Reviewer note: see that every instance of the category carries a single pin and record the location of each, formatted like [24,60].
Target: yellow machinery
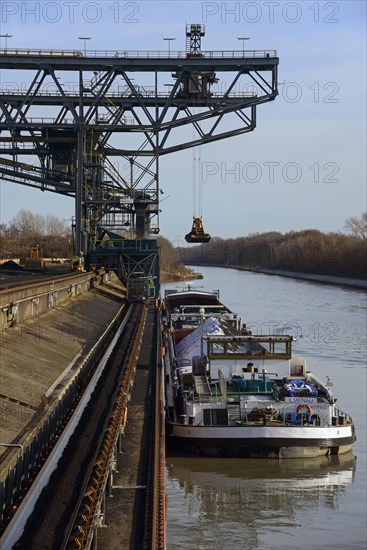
[36,251]
[76,264]
[197,234]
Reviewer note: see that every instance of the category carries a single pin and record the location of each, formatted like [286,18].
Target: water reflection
[250,503]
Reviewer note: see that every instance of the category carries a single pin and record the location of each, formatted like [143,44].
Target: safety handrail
[141,54]
[117,93]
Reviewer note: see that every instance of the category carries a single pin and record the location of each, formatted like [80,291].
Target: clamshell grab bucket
[197,234]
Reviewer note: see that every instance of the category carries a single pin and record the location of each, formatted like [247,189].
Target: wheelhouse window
[250,347]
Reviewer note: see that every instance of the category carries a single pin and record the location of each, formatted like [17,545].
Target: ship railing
[287,414]
[340,417]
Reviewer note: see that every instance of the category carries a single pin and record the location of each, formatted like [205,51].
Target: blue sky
[303,166]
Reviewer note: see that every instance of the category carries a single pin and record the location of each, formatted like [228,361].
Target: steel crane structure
[92,125]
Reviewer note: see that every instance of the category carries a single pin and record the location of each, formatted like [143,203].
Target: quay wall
[23,303]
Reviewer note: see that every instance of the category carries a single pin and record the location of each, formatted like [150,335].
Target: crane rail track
[70,508]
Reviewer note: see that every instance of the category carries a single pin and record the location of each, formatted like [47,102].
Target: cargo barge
[230,393]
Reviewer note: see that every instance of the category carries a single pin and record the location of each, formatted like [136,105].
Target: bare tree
[55,226]
[26,228]
[28,223]
[357,226]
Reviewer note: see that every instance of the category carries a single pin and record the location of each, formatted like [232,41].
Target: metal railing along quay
[22,299]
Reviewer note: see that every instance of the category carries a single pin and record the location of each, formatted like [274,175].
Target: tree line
[341,254]
[170,265]
[309,251]
[25,229]
[54,235]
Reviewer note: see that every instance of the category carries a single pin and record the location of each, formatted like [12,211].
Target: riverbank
[324,279]
[328,279]
[167,277]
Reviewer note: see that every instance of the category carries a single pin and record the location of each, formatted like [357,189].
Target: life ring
[306,406]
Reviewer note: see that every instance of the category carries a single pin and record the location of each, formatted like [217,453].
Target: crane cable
[196,179]
[199,183]
[194,182]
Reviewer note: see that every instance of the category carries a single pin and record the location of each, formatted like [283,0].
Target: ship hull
[260,442]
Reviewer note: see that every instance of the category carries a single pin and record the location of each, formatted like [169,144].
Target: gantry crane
[77,113]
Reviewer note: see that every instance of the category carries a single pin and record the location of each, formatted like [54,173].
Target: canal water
[215,504]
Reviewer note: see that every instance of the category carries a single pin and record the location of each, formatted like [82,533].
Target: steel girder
[72,113]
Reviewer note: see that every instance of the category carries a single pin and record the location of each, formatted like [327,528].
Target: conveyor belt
[47,526]
[70,509]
